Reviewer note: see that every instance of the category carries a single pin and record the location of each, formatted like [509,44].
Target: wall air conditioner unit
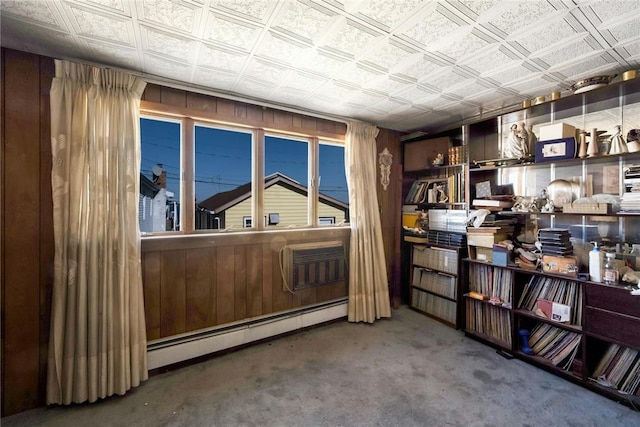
[307,265]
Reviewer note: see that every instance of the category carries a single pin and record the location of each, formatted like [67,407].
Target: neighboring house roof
[223,201]
[147,187]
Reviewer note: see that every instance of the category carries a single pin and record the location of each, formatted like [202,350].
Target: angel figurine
[516,145]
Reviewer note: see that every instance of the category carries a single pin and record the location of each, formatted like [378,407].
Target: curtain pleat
[368,282]
[97,344]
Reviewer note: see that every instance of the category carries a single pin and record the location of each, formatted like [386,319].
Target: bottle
[611,270]
[595,264]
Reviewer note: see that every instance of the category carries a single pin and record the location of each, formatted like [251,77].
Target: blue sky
[223,159]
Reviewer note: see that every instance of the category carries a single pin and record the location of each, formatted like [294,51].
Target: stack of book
[558,346]
[555,241]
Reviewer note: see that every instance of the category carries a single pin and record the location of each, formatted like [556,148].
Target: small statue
[439,160]
[617,143]
[441,195]
[516,145]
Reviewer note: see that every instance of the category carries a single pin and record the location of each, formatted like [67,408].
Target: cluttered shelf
[532,315]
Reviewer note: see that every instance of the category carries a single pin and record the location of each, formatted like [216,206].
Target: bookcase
[599,346]
[431,256]
[435,285]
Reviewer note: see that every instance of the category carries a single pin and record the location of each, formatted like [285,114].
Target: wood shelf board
[435,293]
[531,315]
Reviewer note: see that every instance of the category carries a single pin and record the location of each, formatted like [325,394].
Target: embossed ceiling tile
[221,59]
[612,10]
[338,91]
[231,32]
[278,47]
[478,7]
[387,54]
[163,44]
[256,88]
[302,20]
[325,64]
[444,78]
[357,75]
[215,79]
[160,66]
[35,38]
[33,11]
[541,38]
[391,105]
[117,54]
[265,71]
[511,16]
[513,73]
[467,88]
[422,66]
[632,47]
[350,38]
[626,30]
[115,5]
[487,60]
[434,26]
[257,10]
[585,68]
[461,47]
[289,96]
[365,97]
[304,82]
[566,52]
[535,86]
[108,28]
[393,85]
[387,12]
[168,13]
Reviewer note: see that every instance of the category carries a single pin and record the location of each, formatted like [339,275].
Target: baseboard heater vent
[307,265]
[168,351]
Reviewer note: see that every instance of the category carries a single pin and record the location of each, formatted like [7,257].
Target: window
[222,175]
[200,175]
[286,169]
[160,172]
[333,198]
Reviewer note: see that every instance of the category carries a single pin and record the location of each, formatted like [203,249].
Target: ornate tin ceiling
[400,64]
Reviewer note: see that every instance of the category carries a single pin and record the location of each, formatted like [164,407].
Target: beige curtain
[98,344]
[368,283]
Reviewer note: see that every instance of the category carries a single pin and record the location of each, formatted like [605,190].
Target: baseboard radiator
[308,265]
[179,348]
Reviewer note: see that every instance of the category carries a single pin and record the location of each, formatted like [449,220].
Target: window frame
[189,119]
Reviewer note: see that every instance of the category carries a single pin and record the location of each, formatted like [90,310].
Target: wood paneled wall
[190,282]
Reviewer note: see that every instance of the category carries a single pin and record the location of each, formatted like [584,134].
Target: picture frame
[555,149]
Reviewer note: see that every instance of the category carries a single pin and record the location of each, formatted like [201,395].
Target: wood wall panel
[240,282]
[152,93]
[200,280]
[254,280]
[21,232]
[151,278]
[175,97]
[173,293]
[267,278]
[225,285]
[201,102]
[47,247]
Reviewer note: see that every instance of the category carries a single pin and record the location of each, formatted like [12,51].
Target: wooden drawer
[618,327]
[613,298]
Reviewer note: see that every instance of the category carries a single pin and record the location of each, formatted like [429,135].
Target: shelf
[545,363]
[434,293]
[488,338]
[435,270]
[527,271]
[487,302]
[439,319]
[614,394]
[531,315]
[434,169]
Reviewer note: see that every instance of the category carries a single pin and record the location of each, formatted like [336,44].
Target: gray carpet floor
[405,371]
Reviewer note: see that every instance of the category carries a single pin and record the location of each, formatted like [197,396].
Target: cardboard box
[560,265]
[554,311]
[556,131]
[483,239]
[480,253]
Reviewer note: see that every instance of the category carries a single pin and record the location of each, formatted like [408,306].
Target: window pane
[222,178]
[159,199]
[286,180]
[334,196]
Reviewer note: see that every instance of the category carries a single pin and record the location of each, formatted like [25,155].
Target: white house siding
[291,206]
